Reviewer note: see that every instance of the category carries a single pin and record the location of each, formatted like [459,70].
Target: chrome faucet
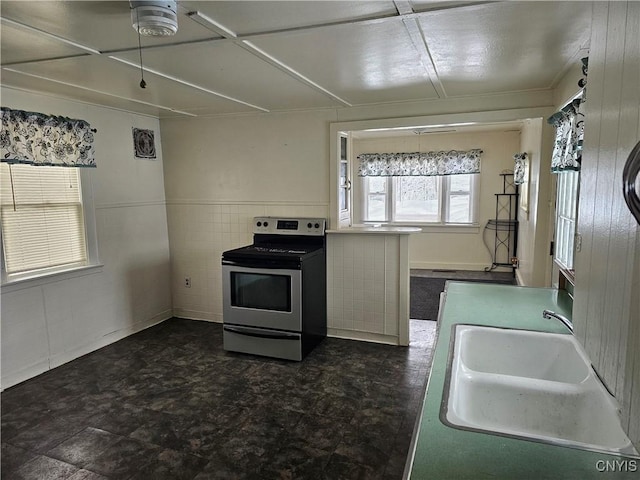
[557,316]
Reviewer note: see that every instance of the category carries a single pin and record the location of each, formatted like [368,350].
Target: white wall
[567,89]
[533,240]
[465,248]
[219,174]
[279,158]
[222,171]
[606,311]
[568,86]
[536,223]
[46,325]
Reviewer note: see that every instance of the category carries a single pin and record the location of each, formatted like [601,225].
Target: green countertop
[442,452]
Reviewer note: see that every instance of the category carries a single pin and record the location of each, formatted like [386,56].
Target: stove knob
[266,224]
[259,224]
[309,225]
[317,225]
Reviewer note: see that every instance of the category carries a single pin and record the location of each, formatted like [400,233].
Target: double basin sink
[530,385]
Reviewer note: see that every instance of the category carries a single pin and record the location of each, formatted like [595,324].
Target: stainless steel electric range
[274,291]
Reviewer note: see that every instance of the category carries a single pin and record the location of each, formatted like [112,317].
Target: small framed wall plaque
[144,144]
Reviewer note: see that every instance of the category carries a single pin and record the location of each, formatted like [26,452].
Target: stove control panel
[289,226]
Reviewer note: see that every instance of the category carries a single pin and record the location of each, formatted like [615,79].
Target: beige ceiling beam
[403,7]
[80,87]
[371,20]
[411,24]
[93,51]
[417,38]
[187,84]
[404,12]
[226,35]
[210,24]
[220,29]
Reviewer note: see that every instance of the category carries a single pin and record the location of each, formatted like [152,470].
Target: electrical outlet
[187,282]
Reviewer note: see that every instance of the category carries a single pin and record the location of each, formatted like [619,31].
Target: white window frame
[55,273]
[567,193]
[344,188]
[474,199]
[445,202]
[364,202]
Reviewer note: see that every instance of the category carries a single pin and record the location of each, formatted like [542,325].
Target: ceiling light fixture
[154,18]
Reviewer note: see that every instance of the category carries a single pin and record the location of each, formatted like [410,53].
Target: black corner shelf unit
[501,233]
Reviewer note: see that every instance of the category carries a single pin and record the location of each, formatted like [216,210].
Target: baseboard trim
[61,358]
[189,314]
[108,339]
[33,370]
[478,267]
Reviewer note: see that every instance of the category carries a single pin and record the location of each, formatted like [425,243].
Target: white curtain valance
[453,162]
[39,139]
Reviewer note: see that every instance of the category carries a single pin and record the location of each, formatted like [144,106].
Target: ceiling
[267,56]
[411,131]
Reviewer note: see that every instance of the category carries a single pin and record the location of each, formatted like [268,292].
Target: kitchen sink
[530,385]
[522,353]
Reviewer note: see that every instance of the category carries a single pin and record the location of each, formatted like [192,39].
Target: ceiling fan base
[154,18]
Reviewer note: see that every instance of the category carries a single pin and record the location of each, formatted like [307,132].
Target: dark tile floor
[463,275]
[169,403]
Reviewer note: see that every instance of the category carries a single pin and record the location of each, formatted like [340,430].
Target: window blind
[42,218]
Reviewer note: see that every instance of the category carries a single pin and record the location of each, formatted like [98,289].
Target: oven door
[262,297]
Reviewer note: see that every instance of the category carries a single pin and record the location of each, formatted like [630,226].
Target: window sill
[472,228]
[30,282]
[566,278]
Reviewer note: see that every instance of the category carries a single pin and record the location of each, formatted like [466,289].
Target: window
[376,198]
[43,220]
[344,187]
[344,175]
[416,199]
[450,199]
[566,213]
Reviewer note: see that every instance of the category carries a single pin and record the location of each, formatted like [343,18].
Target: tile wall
[198,235]
[362,270]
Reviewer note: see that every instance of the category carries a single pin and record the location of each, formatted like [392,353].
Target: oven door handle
[259,334]
[262,263]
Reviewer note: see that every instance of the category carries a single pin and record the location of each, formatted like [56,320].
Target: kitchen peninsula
[368,283]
